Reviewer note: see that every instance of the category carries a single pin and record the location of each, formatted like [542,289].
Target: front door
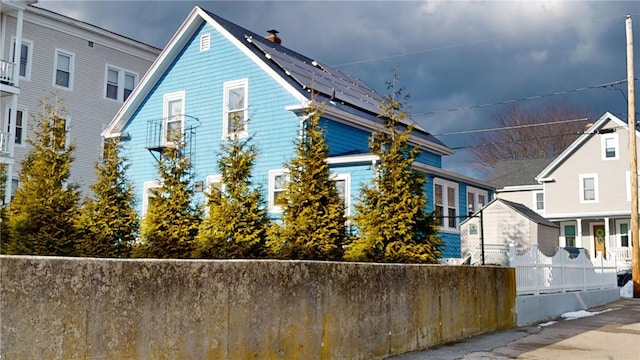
[599,240]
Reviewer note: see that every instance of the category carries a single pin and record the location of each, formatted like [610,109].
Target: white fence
[538,274]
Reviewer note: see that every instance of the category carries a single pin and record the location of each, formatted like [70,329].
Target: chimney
[273,36]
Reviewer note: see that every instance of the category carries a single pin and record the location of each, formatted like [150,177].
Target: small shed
[500,223]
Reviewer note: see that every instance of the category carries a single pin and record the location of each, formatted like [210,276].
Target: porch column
[579,233]
[18,48]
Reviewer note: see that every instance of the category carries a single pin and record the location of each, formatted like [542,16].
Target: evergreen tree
[43,212]
[169,227]
[237,221]
[108,224]
[391,219]
[313,216]
[4,238]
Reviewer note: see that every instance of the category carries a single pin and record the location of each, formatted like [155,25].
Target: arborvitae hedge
[109,224]
[313,223]
[44,210]
[391,217]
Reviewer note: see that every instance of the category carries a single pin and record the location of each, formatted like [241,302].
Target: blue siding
[343,139]
[202,76]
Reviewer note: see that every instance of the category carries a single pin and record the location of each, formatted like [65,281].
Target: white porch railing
[538,274]
[6,72]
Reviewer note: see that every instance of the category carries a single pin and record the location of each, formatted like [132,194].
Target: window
[569,235]
[446,199]
[623,234]
[147,194]
[214,181]
[588,188]
[119,83]
[343,185]
[20,126]
[235,108]
[24,62]
[277,185]
[538,200]
[628,181]
[173,111]
[476,199]
[63,76]
[609,146]
[205,42]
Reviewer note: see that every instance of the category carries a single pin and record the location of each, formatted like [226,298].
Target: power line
[512,127]
[609,84]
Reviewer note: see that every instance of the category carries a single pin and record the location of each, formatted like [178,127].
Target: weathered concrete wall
[63,308]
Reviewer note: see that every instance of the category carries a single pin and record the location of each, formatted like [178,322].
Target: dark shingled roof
[335,88]
[517,172]
[528,213]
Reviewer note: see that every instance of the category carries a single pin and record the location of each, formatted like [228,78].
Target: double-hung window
[235,108]
[609,143]
[278,180]
[343,185]
[63,69]
[148,193]
[25,58]
[569,234]
[588,188]
[476,199]
[20,126]
[119,83]
[173,117]
[538,200]
[624,240]
[446,203]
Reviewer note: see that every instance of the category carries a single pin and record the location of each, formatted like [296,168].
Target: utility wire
[511,127]
[609,84]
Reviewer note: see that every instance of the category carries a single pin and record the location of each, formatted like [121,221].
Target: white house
[93,70]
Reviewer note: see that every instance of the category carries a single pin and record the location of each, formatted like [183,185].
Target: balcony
[6,72]
[156,141]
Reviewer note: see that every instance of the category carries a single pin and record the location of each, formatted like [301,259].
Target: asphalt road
[612,334]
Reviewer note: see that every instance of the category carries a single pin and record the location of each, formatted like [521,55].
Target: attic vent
[90,43]
[205,42]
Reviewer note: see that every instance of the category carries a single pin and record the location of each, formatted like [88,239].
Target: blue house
[213,70]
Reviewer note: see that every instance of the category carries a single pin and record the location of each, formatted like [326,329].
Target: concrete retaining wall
[536,308]
[63,308]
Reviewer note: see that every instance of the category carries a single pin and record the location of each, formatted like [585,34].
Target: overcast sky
[448,54]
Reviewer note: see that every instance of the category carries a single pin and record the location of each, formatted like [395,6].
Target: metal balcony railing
[6,72]
[157,137]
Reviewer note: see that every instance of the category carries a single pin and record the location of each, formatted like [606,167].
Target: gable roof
[520,209]
[543,176]
[517,172]
[345,97]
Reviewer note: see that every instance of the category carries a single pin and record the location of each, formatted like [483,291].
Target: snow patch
[547,324]
[627,290]
[572,315]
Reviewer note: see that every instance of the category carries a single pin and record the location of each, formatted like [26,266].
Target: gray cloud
[447,54]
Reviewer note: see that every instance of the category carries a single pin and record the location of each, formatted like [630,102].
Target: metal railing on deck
[6,72]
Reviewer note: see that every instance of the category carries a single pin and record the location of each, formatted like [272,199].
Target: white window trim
[347,190]
[619,235]
[563,238]
[447,184]
[476,201]
[27,71]
[535,201]
[178,95]
[25,126]
[205,42]
[272,182]
[581,178]
[72,57]
[225,101]
[627,176]
[146,191]
[213,179]
[121,81]
[603,145]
